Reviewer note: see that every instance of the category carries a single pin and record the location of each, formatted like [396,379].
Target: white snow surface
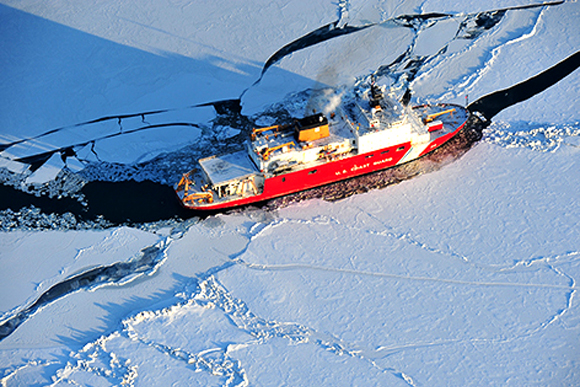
[464,276]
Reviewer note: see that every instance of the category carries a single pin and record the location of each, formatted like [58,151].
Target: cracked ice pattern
[111,358]
[465,276]
[276,298]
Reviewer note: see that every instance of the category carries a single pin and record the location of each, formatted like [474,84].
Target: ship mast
[376,95]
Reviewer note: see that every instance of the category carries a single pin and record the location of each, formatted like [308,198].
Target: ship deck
[452,120]
[228,167]
[338,132]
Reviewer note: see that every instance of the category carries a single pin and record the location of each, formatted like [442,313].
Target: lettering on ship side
[359,167]
[383,161]
[355,167]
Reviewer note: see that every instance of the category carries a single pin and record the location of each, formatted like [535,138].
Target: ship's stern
[193,190]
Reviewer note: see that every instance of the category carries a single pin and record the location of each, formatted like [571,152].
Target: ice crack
[212,293]
[569,297]
[145,263]
[216,362]
[94,358]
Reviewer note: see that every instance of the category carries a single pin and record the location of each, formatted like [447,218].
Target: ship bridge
[383,123]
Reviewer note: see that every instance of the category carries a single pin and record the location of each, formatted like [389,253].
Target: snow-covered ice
[461,276]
